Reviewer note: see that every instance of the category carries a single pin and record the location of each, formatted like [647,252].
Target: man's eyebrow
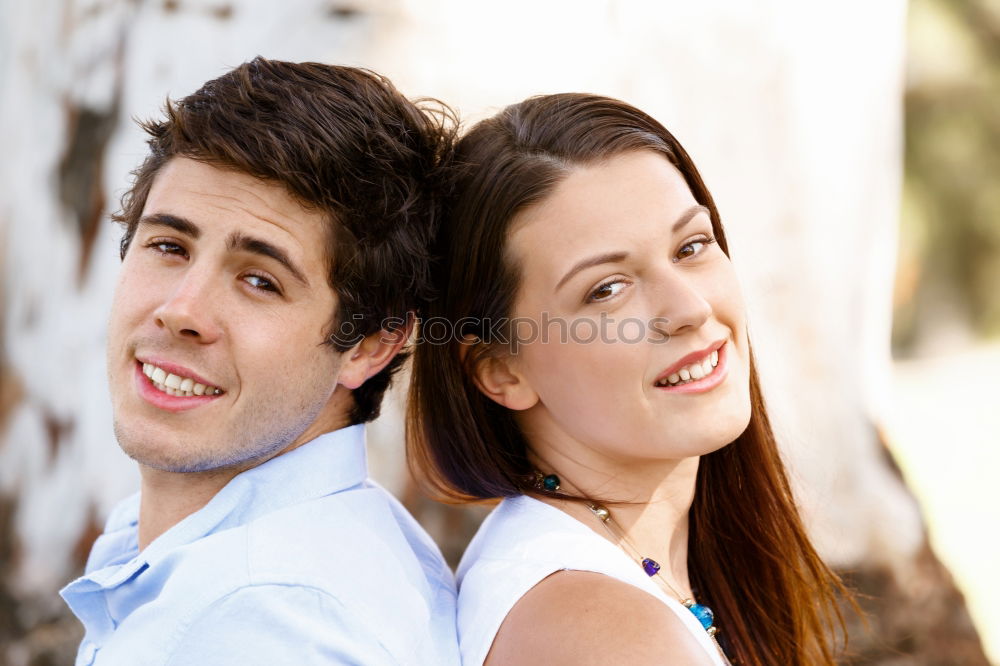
[239,242]
[178,224]
[615,257]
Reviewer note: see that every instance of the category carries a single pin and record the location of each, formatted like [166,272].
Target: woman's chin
[710,437]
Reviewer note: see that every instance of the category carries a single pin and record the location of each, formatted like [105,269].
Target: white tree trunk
[792,111]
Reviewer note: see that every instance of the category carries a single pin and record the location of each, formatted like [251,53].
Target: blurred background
[853,149]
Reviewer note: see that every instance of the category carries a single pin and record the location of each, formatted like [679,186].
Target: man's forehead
[198,199]
[184,180]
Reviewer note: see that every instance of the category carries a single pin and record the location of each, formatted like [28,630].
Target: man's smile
[173,388]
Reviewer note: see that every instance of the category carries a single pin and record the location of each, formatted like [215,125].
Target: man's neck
[167,498]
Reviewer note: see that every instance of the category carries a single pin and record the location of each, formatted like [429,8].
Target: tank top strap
[522,542]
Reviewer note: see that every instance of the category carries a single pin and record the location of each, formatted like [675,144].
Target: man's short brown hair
[342,141]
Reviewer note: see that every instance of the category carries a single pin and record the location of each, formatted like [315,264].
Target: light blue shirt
[301,560]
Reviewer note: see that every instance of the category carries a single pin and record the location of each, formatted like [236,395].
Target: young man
[279,221]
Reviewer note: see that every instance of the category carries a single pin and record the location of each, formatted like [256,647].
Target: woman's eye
[606,291]
[260,282]
[705,242]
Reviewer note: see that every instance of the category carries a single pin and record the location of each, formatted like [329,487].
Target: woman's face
[618,268]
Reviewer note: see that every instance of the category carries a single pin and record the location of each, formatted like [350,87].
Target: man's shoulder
[360,529]
[347,550]
[356,543]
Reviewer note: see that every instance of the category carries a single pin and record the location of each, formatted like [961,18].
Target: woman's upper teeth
[172,384]
[693,371]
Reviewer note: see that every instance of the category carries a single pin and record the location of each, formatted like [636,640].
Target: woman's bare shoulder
[580,618]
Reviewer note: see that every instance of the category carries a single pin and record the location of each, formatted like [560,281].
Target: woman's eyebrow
[605,258]
[688,215]
[615,257]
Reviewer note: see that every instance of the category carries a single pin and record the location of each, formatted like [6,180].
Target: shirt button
[88,651]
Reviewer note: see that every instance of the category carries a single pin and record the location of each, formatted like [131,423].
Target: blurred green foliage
[949,271]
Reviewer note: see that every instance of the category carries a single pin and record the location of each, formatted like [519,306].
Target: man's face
[215,353]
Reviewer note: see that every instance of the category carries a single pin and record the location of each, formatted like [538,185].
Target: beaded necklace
[650,566]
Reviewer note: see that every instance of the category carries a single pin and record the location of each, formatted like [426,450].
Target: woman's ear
[499,379]
[372,354]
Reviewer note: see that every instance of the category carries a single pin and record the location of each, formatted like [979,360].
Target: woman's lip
[707,383]
[161,400]
[691,358]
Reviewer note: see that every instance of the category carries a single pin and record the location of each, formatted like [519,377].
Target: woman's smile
[699,376]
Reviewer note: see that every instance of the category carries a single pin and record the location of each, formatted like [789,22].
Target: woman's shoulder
[530,558]
[520,543]
[519,528]
[583,617]
[525,536]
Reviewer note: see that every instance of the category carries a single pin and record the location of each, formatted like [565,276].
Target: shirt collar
[328,464]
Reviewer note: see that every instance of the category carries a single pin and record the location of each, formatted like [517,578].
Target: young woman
[599,378]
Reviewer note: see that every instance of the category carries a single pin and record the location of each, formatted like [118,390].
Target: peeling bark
[9,626]
[91,529]
[916,618]
[11,386]
[11,393]
[57,429]
[81,181]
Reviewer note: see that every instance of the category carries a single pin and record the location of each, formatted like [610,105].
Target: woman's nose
[682,305]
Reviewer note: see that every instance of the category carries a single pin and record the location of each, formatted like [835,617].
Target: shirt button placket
[88,653]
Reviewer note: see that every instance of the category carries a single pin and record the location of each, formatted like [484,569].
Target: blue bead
[650,566]
[704,615]
[551,483]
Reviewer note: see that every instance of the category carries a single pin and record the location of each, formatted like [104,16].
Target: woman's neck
[649,502]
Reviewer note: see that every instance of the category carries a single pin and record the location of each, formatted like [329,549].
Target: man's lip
[174,369]
[689,359]
[169,403]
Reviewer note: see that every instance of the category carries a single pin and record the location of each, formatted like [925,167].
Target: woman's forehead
[632,198]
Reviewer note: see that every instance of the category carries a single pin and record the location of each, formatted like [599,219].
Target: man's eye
[260,282]
[705,242]
[606,291]
[166,247]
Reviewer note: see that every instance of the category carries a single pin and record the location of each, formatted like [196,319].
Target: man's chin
[177,456]
[166,462]
[189,457]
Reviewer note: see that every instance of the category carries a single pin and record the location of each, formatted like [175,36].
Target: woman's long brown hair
[748,556]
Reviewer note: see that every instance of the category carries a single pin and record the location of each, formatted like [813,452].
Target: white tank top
[520,543]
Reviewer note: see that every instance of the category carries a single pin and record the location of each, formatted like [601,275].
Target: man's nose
[191,309]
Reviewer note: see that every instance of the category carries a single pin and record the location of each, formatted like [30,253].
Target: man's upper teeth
[175,384]
[692,371]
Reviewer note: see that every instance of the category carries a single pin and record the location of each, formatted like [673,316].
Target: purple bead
[650,566]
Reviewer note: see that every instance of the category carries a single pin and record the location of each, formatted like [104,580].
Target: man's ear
[500,380]
[373,353]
